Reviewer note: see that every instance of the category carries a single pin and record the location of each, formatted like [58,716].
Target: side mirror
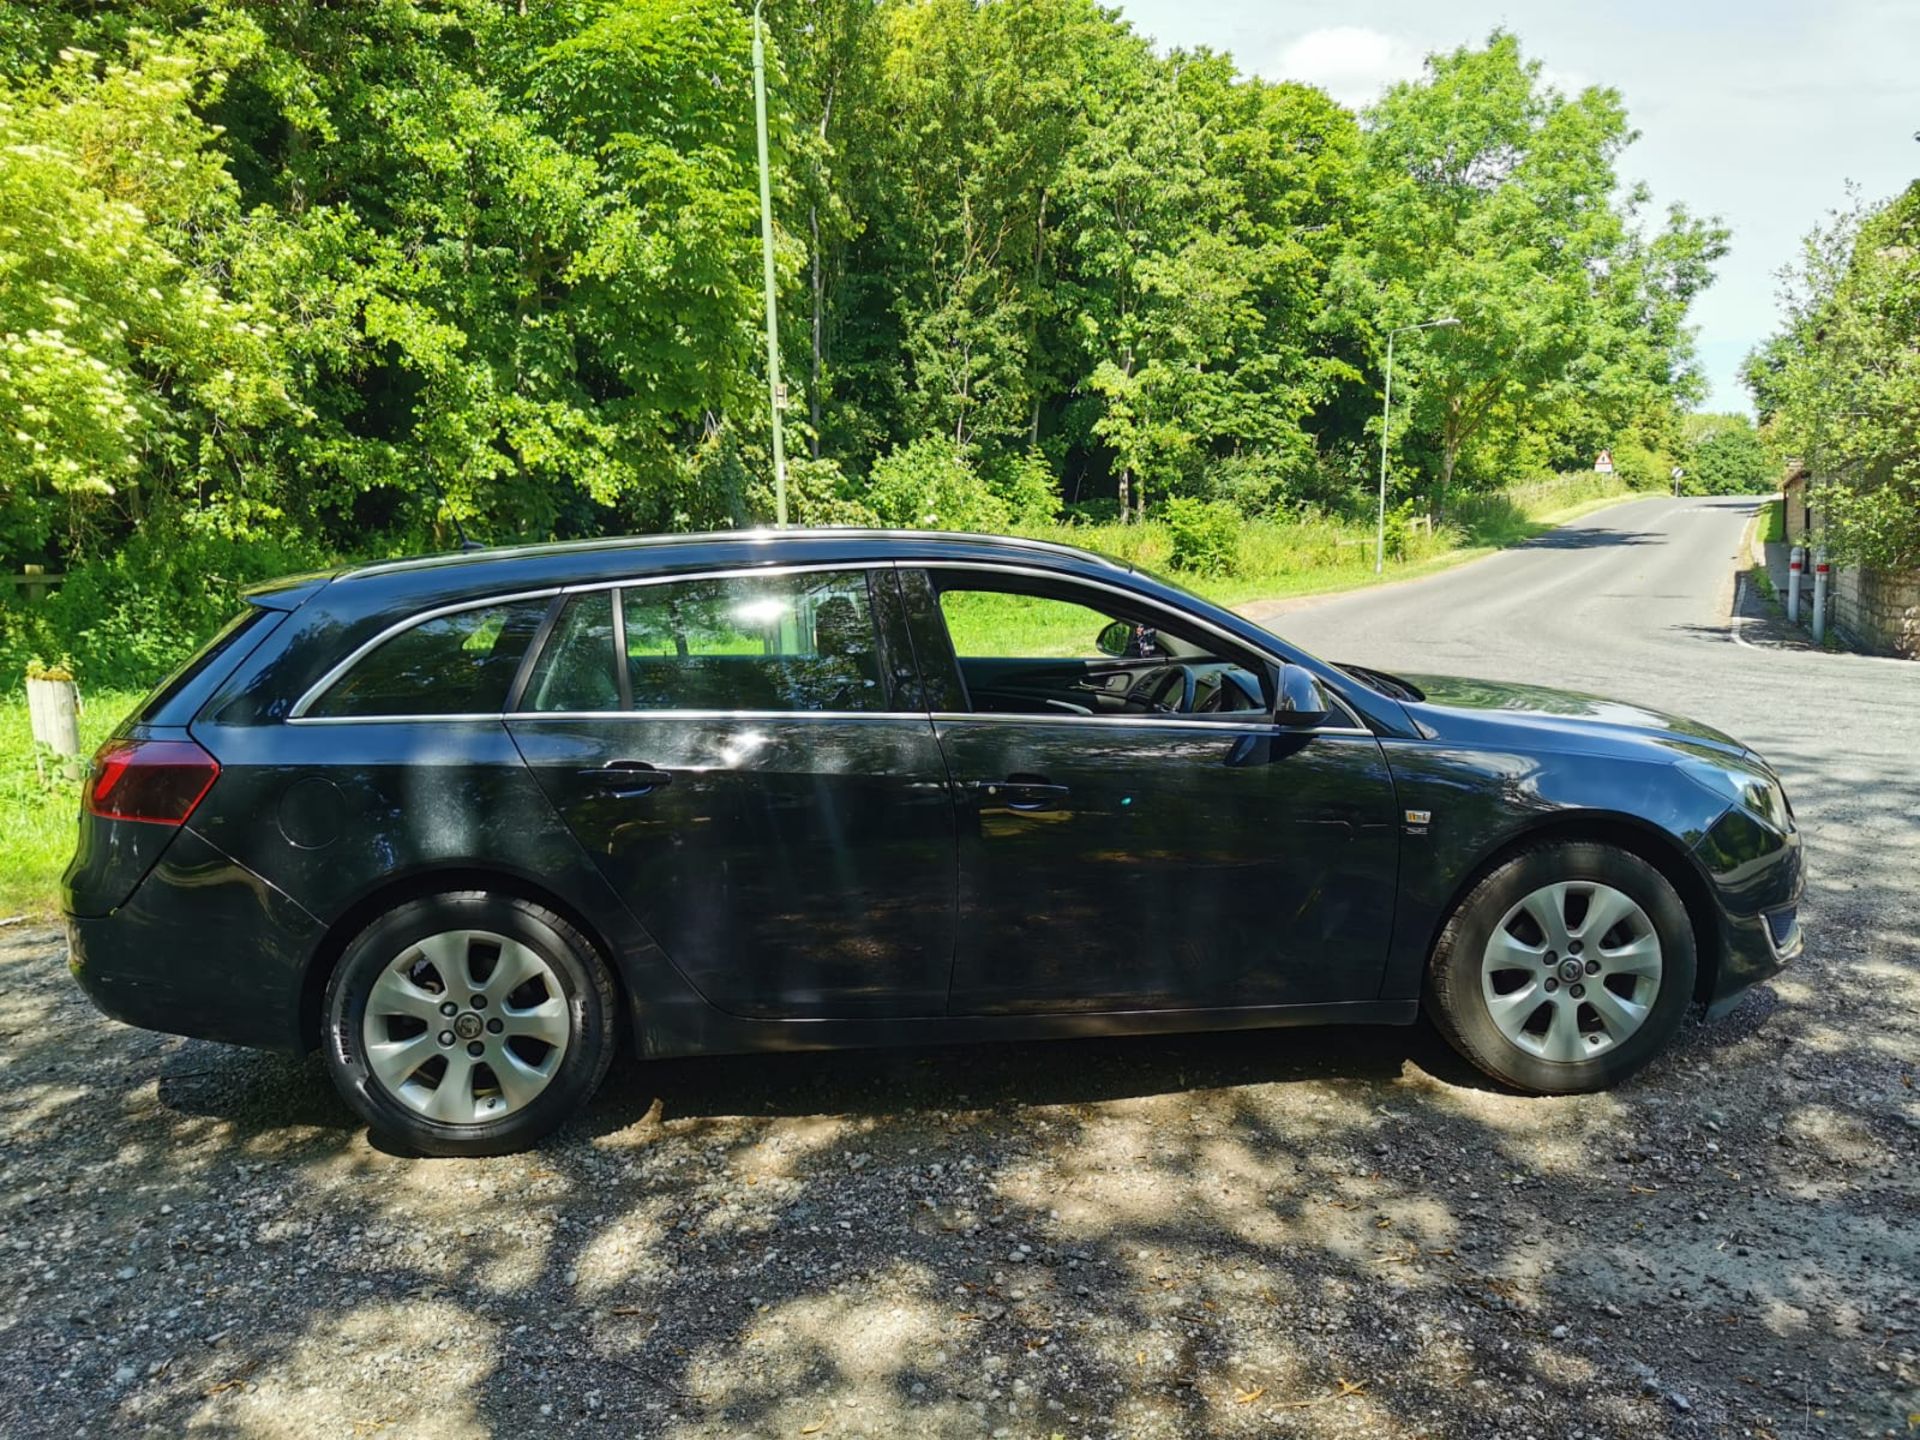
[1126,641]
[1303,704]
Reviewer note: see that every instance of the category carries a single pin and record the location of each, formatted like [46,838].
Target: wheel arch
[418,885]
[1657,847]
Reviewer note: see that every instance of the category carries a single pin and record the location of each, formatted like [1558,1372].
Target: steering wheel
[1158,689]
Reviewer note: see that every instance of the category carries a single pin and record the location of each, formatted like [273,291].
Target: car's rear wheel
[468,1023]
[1566,969]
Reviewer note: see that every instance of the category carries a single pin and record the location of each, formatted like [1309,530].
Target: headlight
[1746,786]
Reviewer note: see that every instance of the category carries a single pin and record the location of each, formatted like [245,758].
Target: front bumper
[1759,877]
[203,947]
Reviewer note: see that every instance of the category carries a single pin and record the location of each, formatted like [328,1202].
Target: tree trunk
[1126,494]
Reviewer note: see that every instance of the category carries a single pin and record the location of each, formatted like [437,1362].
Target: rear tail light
[158,781]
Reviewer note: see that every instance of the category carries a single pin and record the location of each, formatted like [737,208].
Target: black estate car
[466,822]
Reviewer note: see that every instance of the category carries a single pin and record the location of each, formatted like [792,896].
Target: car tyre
[500,1000]
[1565,969]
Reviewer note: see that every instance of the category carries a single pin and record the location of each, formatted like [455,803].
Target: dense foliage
[288,281]
[1839,387]
[1727,455]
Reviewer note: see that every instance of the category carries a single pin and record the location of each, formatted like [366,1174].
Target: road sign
[1603,465]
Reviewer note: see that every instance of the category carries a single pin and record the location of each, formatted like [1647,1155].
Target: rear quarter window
[231,640]
[458,664]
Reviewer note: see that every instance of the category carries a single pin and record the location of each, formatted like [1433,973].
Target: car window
[1045,646]
[458,664]
[772,642]
[249,620]
[577,669]
[995,624]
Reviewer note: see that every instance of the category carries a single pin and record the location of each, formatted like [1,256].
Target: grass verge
[1773,522]
[39,809]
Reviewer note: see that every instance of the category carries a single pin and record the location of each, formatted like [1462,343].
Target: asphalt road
[1309,1233]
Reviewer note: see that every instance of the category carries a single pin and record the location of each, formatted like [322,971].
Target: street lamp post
[1386,424]
[766,256]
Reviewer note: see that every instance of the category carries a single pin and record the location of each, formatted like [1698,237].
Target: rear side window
[773,642]
[578,669]
[458,664]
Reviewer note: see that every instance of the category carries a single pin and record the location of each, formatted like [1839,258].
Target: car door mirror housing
[1302,704]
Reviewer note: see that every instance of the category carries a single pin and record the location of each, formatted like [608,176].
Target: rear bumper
[203,947]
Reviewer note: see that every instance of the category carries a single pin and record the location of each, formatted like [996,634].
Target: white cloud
[1350,63]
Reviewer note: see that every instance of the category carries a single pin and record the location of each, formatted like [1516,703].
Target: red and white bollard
[1819,599]
[1796,565]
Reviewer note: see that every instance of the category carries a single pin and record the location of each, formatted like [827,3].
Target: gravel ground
[1303,1233]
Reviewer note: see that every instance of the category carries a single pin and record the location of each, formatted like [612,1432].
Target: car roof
[618,555]
[458,576]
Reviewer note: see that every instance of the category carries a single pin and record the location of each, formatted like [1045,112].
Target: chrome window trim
[1156,722]
[762,716]
[939,717]
[497,717]
[1238,642]
[360,652]
[491,716]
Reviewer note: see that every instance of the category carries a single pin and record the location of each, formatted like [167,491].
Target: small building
[1872,610]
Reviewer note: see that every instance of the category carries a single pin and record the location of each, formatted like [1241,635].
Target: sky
[1757,111]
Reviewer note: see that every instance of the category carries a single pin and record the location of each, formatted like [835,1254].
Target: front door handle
[1022,792]
[628,779]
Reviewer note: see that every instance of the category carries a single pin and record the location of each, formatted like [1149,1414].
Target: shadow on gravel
[1309,1233]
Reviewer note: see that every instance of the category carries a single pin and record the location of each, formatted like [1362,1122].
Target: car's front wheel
[468,1023]
[1566,969]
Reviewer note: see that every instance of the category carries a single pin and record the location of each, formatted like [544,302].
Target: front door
[1167,848]
[736,755]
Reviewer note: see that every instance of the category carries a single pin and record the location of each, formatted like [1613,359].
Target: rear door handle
[1022,792]
[628,779]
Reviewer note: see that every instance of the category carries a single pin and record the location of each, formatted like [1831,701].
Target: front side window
[1029,646]
[773,642]
[990,624]
[458,664]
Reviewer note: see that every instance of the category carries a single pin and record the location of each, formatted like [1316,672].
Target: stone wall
[1876,611]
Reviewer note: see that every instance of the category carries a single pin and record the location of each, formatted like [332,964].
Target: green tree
[1725,455]
[1840,385]
[1493,198]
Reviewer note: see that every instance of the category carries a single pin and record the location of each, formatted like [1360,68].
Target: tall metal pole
[1386,424]
[766,256]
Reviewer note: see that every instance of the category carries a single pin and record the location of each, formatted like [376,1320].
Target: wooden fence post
[53,707]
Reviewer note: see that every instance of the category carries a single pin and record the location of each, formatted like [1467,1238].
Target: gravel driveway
[1301,1233]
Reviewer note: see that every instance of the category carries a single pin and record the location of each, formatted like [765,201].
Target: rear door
[748,760]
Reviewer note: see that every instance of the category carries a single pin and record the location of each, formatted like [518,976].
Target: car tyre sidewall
[584,982]
[1458,1006]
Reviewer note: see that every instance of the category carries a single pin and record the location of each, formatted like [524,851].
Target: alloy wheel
[466,1026]
[1571,971]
